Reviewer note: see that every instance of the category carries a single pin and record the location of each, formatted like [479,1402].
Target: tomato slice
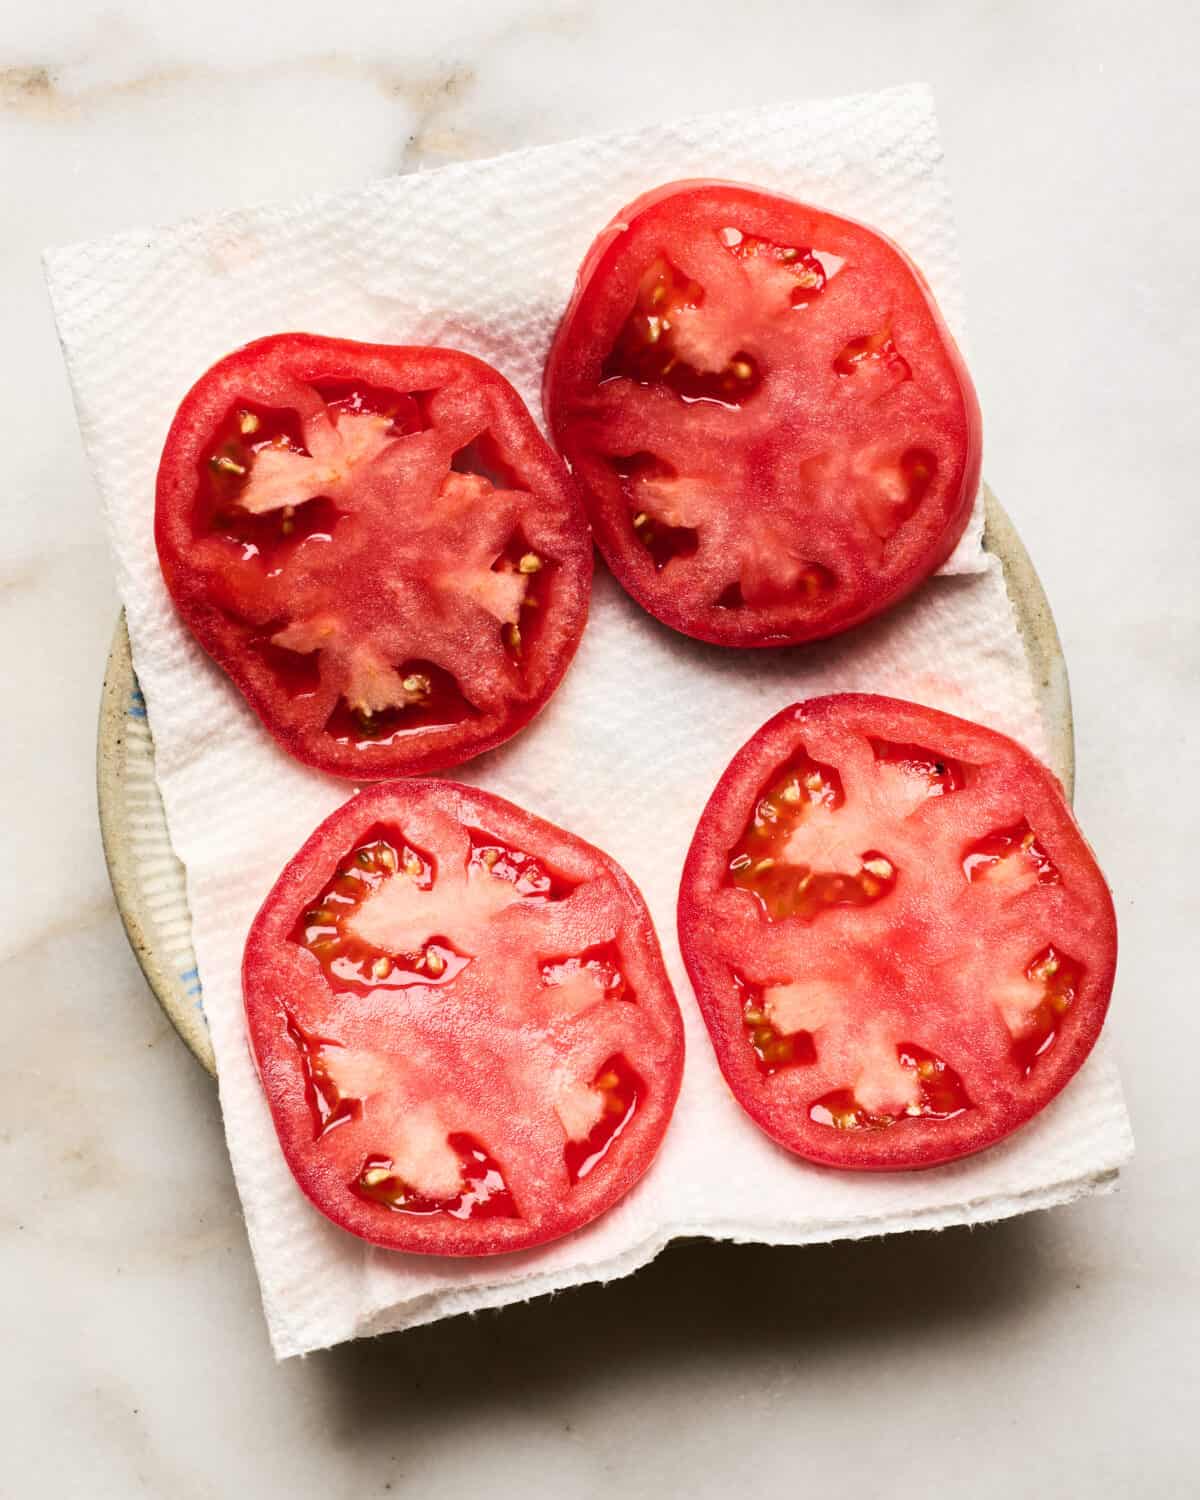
[775,434]
[900,941]
[461,1021]
[378,547]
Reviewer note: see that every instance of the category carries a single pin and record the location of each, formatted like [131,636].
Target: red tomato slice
[461,1021]
[775,434]
[377,545]
[900,941]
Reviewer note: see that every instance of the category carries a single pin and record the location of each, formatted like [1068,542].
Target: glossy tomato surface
[900,941]
[462,1022]
[377,545]
[775,434]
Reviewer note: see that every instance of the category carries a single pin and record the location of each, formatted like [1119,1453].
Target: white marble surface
[1054,1353]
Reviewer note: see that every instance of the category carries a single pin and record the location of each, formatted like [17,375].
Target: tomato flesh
[377,546]
[462,1023]
[775,435]
[900,941]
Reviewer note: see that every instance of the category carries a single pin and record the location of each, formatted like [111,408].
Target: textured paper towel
[482,256]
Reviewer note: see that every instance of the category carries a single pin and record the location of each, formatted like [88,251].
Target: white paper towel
[482,256]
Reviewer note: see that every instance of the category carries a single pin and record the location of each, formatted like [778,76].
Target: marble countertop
[1058,1348]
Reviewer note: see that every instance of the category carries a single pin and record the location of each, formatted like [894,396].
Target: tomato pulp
[774,432]
[900,941]
[461,1021]
[377,545]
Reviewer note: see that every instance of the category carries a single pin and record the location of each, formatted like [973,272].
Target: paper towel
[482,256]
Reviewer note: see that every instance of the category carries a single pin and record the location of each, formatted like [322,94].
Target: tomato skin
[923,952]
[465,395]
[605,289]
[283,982]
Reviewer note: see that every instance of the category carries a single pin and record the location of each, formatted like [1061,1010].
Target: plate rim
[178,994]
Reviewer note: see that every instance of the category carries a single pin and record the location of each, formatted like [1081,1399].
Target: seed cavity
[940,773]
[778,580]
[327,1105]
[785,887]
[873,351]
[223,464]
[327,929]
[500,861]
[665,543]
[942,1095]
[764,863]
[1010,856]
[773,1049]
[1060,977]
[396,700]
[601,965]
[483,1194]
[647,349]
[622,1089]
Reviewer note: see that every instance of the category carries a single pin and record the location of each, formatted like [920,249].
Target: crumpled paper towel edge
[438,1305]
[989,1209]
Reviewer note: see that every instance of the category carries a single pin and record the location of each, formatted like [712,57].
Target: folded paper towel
[481,256]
